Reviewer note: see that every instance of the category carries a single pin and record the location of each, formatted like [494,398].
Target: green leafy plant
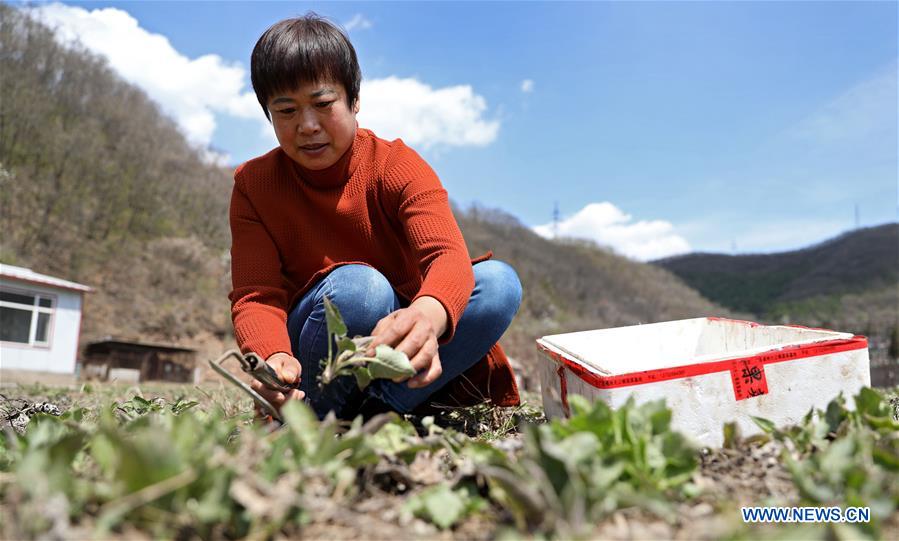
[847,457]
[444,506]
[350,355]
[573,473]
[139,405]
[169,465]
[172,469]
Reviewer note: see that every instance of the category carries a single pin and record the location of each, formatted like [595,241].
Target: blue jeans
[364,296]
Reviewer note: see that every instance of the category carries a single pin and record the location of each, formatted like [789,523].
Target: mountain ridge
[848,263]
[849,282]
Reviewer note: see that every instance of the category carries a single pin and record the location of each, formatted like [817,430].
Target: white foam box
[709,370]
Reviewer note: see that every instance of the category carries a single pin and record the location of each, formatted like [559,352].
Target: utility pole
[857,220]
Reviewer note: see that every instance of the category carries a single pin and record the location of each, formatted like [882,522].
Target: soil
[749,474]
[746,475]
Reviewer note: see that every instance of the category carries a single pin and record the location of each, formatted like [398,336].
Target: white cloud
[191,90]
[607,225]
[527,86]
[358,22]
[194,90]
[425,116]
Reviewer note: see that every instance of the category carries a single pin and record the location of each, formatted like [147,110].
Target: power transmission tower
[555,219]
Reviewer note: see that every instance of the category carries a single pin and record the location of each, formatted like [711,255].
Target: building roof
[110,342]
[28,275]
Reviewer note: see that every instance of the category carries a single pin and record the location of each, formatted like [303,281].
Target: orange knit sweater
[380,205]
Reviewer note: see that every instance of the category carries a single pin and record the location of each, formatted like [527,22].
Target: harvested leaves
[350,356]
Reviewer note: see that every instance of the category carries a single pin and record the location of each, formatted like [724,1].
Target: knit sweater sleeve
[431,230]
[258,298]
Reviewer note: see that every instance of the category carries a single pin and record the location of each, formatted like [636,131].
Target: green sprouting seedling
[572,474]
[444,506]
[845,456]
[350,357]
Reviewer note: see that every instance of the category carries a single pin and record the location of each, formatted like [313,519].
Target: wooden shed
[135,361]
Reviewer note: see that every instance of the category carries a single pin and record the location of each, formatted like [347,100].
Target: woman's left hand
[414,331]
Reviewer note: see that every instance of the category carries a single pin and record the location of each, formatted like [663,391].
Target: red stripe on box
[789,353]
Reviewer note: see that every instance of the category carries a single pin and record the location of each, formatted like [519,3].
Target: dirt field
[13,378]
[384,485]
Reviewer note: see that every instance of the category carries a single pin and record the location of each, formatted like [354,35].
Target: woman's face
[313,123]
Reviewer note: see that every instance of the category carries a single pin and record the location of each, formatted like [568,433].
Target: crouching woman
[335,211]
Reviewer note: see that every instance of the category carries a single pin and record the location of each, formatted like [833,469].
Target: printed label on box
[748,377]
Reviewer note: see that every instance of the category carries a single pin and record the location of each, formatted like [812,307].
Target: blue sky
[657,127]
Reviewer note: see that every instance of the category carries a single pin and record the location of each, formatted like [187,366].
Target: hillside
[99,187]
[850,282]
[114,197]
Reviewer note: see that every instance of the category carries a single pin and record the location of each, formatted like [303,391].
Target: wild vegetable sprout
[350,356]
[193,463]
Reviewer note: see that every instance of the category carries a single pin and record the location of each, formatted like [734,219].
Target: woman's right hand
[288,370]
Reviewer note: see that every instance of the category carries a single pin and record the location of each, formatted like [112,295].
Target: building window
[25,318]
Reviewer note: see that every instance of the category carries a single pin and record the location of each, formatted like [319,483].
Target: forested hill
[850,280]
[97,186]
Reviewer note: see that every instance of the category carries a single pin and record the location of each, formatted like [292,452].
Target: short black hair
[302,50]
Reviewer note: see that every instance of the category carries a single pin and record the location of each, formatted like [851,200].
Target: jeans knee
[362,295]
[498,282]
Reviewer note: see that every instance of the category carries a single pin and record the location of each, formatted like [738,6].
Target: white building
[40,321]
